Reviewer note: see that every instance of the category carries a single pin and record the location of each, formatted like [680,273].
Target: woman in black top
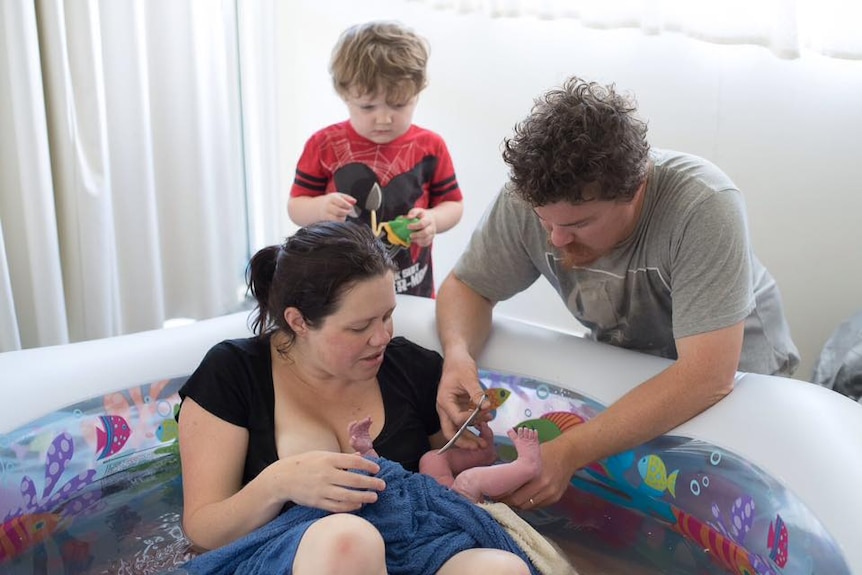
[264,420]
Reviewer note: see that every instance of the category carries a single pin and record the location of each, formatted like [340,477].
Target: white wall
[787,131]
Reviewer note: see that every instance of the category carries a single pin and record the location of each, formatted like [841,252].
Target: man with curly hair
[648,249]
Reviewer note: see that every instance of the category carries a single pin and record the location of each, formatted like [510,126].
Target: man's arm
[701,376]
[463,326]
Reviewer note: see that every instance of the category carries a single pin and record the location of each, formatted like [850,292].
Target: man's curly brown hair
[582,134]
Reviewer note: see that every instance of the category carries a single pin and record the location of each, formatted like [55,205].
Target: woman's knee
[485,560]
[341,543]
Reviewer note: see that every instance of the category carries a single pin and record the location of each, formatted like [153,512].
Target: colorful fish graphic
[167,430]
[654,473]
[728,553]
[111,439]
[22,532]
[552,424]
[777,541]
[494,398]
[613,467]
[497,396]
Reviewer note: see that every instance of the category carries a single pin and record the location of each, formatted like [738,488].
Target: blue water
[134,528]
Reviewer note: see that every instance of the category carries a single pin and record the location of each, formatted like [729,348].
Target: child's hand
[335,207]
[423,231]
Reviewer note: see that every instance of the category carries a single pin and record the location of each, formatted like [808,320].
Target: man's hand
[457,396]
[551,484]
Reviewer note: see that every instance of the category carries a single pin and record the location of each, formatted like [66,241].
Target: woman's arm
[215,508]
[218,509]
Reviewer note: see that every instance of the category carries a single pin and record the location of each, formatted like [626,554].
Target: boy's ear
[294,319]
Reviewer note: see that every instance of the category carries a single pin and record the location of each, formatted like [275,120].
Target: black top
[234,383]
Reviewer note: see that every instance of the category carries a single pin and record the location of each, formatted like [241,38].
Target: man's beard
[577,255]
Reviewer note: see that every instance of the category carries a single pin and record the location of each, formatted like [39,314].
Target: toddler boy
[378,167]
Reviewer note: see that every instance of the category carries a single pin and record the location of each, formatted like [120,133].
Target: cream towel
[546,556]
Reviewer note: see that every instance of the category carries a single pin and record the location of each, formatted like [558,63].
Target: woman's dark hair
[311,271]
[580,142]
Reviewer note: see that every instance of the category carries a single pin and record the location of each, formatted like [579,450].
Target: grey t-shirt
[687,268]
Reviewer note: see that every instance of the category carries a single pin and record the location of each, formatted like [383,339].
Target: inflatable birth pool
[764,483]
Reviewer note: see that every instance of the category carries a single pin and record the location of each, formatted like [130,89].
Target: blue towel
[423,524]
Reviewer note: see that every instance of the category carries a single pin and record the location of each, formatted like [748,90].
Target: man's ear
[295,320]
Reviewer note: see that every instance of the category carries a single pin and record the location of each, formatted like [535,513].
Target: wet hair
[581,142]
[311,271]
[380,56]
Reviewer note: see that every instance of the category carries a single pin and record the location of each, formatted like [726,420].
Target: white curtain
[123,199]
[258,20]
[787,27]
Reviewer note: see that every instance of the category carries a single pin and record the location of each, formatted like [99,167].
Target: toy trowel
[372,204]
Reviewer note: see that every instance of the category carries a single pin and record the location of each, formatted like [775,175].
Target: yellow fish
[654,473]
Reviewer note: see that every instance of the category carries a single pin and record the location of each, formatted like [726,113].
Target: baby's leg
[360,437]
[461,459]
[497,480]
[436,465]
[444,467]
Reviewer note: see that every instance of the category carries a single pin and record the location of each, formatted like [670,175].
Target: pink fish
[776,540]
[113,437]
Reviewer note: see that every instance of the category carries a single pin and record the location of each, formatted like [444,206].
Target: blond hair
[379,57]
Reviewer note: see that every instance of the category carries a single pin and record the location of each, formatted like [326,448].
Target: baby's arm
[497,480]
[360,437]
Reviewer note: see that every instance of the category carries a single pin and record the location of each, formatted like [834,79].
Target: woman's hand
[329,481]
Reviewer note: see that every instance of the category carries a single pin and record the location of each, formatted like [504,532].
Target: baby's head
[379,68]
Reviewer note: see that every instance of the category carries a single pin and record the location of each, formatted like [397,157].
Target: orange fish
[729,554]
[497,396]
[22,532]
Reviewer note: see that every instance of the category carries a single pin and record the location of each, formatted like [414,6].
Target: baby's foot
[360,436]
[526,442]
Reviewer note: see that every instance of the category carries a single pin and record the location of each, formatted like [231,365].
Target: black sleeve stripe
[443,192]
[313,179]
[309,182]
[444,183]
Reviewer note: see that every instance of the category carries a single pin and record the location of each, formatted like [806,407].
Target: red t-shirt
[414,170]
